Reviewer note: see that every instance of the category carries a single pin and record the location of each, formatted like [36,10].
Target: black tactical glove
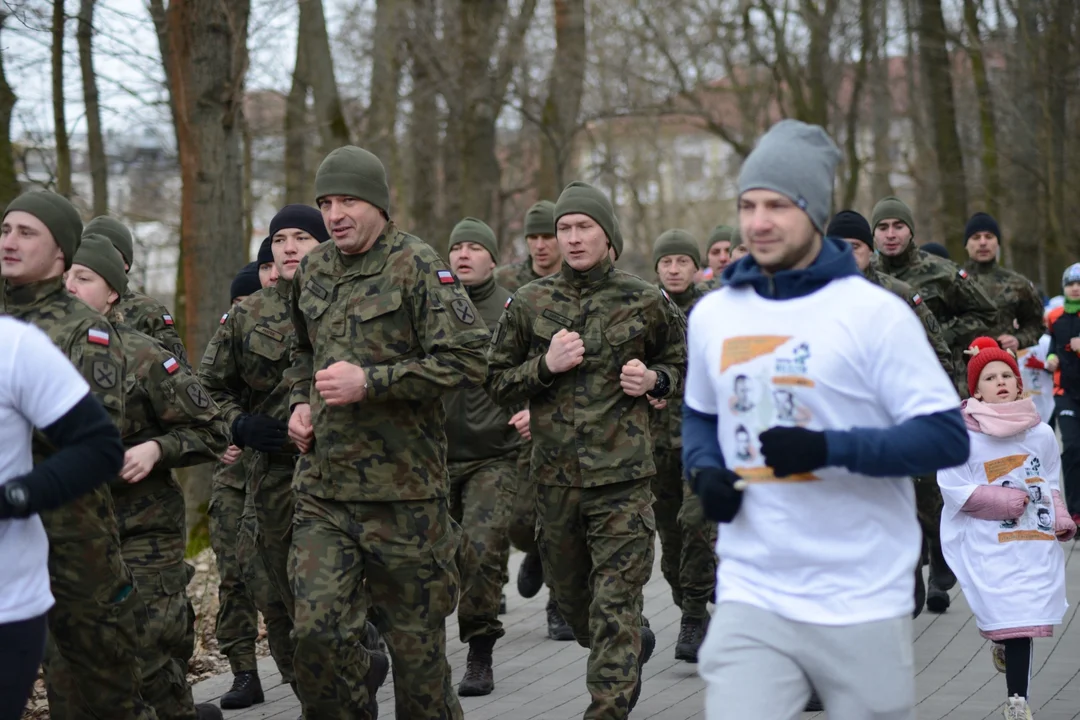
[716,488]
[793,450]
[260,432]
[14,500]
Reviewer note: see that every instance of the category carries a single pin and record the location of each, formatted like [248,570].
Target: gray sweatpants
[758,664]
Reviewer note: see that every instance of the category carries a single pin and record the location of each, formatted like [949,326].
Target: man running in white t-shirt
[818,552]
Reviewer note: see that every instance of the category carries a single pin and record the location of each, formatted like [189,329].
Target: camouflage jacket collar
[369,263]
[686,298]
[871,274]
[25,296]
[284,289]
[527,270]
[981,268]
[482,291]
[906,259]
[593,276]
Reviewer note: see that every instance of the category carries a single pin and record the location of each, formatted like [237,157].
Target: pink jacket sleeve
[992,502]
[1064,527]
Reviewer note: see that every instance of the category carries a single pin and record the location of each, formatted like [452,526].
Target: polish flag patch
[171,365]
[508,301]
[224,318]
[168,319]
[963,273]
[917,300]
[446,277]
[98,337]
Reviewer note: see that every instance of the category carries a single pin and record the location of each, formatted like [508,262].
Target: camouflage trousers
[392,563]
[597,547]
[92,659]
[481,496]
[687,539]
[245,589]
[152,533]
[928,504]
[523,514]
[273,500]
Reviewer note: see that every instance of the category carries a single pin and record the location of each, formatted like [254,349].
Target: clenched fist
[636,379]
[520,421]
[301,431]
[342,383]
[566,351]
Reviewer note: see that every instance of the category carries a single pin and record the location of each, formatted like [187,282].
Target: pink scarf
[1000,419]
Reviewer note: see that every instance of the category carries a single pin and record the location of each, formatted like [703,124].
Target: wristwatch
[662,386]
[17,498]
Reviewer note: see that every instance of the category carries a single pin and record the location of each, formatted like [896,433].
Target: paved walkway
[539,679]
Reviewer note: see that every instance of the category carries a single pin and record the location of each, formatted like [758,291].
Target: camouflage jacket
[244,364]
[666,424]
[148,316]
[477,428]
[164,402]
[1020,310]
[83,334]
[586,431]
[512,277]
[399,313]
[957,301]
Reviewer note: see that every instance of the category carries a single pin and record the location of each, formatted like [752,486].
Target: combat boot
[478,679]
[648,644]
[814,703]
[246,691]
[502,604]
[558,629]
[941,581]
[691,635]
[530,576]
[378,668]
[206,711]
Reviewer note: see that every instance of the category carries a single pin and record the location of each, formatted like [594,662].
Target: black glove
[14,500]
[716,488]
[793,450]
[260,432]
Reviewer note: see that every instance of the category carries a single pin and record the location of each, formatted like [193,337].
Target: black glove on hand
[793,450]
[716,488]
[260,432]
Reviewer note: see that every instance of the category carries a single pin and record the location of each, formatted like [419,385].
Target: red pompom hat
[982,352]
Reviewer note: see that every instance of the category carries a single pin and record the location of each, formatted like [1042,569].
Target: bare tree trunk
[938,72]
[565,87]
[63,147]
[424,134]
[249,181]
[1028,188]
[987,122]
[385,79]
[333,130]
[99,164]
[1058,67]
[882,103]
[297,180]
[866,22]
[9,181]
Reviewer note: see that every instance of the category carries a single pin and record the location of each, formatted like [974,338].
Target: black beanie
[850,225]
[981,222]
[300,217]
[936,249]
[266,253]
[246,282]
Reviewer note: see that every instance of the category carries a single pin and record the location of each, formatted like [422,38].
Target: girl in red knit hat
[1002,517]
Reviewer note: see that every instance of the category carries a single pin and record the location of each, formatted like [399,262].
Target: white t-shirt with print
[832,548]
[37,387]
[1012,572]
[1038,384]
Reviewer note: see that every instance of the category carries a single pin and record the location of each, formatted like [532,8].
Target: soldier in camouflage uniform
[169,422]
[94,590]
[1020,310]
[383,329]
[964,312]
[687,539]
[244,589]
[244,368]
[140,312]
[583,347]
[481,456]
[544,258]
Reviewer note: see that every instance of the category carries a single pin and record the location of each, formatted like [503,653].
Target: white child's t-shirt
[1012,572]
[833,547]
[37,387]
[1038,384]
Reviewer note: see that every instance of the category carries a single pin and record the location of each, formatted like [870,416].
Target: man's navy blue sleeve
[921,445]
[701,448]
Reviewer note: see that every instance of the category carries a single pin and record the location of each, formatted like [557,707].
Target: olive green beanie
[722,233]
[59,215]
[475,231]
[116,231]
[676,242]
[893,207]
[580,197]
[355,172]
[540,219]
[98,253]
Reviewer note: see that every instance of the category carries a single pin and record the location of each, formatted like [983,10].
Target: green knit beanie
[98,253]
[475,231]
[580,197]
[355,172]
[892,207]
[116,231]
[722,233]
[676,242]
[540,219]
[59,215]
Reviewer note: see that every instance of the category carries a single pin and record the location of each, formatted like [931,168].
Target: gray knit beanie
[676,242]
[355,172]
[98,253]
[475,231]
[540,219]
[797,160]
[116,231]
[890,208]
[58,214]
[580,197]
